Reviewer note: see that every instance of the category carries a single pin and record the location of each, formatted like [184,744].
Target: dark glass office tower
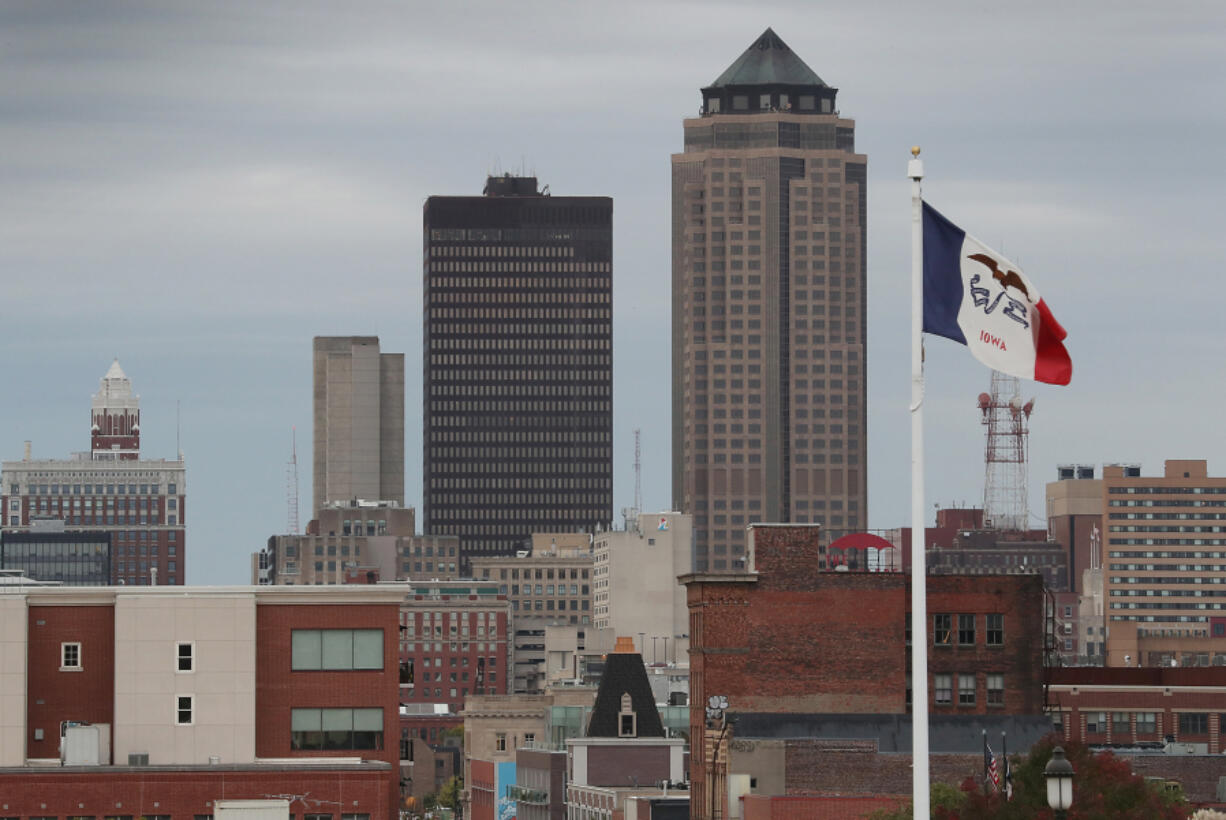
[518,370]
[769,307]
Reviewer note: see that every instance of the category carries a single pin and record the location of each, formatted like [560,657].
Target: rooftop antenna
[1006,420]
[178,437]
[638,470]
[291,483]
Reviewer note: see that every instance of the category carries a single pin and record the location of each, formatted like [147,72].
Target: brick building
[140,503]
[1147,707]
[454,642]
[777,640]
[161,696]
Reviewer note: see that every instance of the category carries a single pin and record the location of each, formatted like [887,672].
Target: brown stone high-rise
[769,313]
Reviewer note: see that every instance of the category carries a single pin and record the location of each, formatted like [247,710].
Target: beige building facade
[1164,564]
[635,589]
[201,646]
[769,307]
[358,421]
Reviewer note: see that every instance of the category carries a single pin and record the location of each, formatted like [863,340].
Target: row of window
[1120,723]
[71,659]
[548,606]
[1167,490]
[336,649]
[94,489]
[960,630]
[943,689]
[336,729]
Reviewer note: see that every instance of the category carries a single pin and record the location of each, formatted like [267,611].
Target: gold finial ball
[915,149]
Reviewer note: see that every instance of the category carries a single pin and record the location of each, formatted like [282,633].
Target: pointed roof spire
[768,61]
[115,371]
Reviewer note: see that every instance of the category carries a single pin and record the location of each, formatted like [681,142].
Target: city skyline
[185,187]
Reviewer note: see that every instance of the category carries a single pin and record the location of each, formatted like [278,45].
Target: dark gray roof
[624,673]
[946,733]
[768,61]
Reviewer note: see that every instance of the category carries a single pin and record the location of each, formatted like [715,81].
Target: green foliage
[449,795]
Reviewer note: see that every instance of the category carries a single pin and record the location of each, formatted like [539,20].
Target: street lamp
[1059,775]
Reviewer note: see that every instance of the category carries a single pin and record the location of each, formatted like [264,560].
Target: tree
[449,795]
[1104,789]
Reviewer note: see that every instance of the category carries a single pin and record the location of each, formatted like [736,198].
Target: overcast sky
[200,188]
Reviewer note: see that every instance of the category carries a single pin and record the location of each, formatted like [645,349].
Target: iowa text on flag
[978,298]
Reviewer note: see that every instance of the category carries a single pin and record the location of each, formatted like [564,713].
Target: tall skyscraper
[103,513]
[768,307]
[359,422]
[518,365]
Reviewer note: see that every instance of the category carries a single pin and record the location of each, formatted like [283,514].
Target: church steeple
[768,77]
[115,418]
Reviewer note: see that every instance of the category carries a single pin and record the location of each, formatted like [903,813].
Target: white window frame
[64,665]
[191,708]
[191,657]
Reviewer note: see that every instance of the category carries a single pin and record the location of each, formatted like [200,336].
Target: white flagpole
[919,592]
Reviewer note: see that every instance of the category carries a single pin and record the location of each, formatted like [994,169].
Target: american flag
[989,762]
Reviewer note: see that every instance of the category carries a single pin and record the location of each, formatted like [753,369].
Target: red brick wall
[481,790]
[55,696]
[180,794]
[278,689]
[816,807]
[855,767]
[1079,693]
[1020,599]
[800,640]
[623,766]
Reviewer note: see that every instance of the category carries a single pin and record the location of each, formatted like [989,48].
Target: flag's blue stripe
[942,275]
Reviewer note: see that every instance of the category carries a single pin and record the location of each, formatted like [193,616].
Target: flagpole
[919,592]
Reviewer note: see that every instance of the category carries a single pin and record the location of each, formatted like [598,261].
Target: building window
[1120,724]
[185,657]
[336,649]
[1096,722]
[942,689]
[328,729]
[500,742]
[70,657]
[996,629]
[1147,723]
[626,718]
[966,690]
[1193,723]
[966,630]
[996,690]
[942,629]
[183,710]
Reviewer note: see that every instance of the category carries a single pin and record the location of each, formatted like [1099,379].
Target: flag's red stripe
[1051,361]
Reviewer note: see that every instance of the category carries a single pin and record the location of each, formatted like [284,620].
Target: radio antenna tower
[291,483]
[1006,454]
[638,471]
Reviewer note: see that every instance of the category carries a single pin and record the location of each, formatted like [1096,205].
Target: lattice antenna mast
[291,484]
[638,470]
[1006,454]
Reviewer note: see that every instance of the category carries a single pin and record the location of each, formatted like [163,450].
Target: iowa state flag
[978,298]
